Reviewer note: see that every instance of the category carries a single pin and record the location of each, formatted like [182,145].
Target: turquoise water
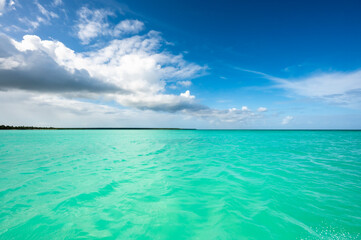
[125,184]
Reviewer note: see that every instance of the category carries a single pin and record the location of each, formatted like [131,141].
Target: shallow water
[167,184]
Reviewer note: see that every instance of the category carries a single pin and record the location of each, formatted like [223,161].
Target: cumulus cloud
[160,102]
[286,120]
[187,94]
[132,71]
[343,88]
[28,65]
[94,23]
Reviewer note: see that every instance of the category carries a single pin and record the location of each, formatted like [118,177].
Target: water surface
[168,184]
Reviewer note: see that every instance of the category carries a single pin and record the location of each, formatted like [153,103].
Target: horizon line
[7,127]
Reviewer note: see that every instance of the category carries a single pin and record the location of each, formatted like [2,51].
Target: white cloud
[94,23]
[187,94]
[2,6]
[184,83]
[32,24]
[342,88]
[128,27]
[46,109]
[57,2]
[232,115]
[6,5]
[57,111]
[46,13]
[262,109]
[133,67]
[286,120]
[44,17]
[132,72]
[339,88]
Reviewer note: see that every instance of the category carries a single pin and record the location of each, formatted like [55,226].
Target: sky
[184,64]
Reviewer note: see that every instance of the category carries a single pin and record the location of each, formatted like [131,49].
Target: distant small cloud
[245,108]
[172,86]
[262,109]
[31,24]
[57,2]
[187,94]
[184,83]
[127,27]
[286,120]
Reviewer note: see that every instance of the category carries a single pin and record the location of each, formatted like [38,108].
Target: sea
[180,184]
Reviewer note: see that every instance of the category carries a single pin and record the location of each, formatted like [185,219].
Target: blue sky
[214,64]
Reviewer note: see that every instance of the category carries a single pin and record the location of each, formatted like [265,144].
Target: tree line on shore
[6,127]
[23,127]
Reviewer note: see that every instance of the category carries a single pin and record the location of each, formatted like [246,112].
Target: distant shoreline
[5,127]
